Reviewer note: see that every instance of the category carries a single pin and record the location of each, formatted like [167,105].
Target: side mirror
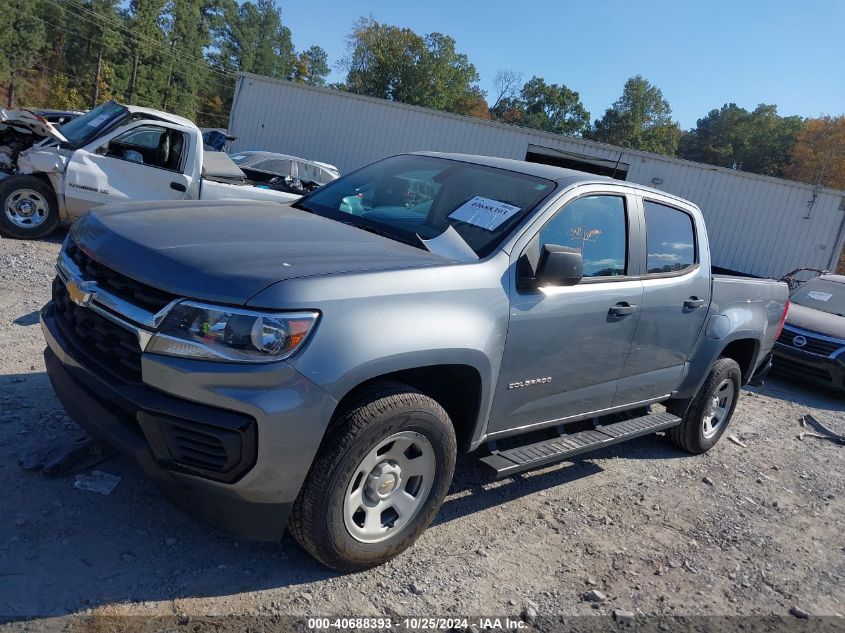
[559,266]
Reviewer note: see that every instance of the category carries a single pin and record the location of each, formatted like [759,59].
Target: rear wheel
[378,480]
[710,412]
[28,208]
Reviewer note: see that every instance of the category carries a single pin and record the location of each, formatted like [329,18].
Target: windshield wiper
[298,205]
[384,233]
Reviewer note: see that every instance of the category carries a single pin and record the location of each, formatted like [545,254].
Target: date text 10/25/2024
[416,623]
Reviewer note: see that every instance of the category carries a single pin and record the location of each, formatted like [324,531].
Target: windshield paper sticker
[819,296]
[450,244]
[484,212]
[98,120]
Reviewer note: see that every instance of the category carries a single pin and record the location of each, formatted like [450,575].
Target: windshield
[821,294]
[413,197]
[87,127]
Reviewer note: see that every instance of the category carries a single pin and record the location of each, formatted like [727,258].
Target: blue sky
[700,54]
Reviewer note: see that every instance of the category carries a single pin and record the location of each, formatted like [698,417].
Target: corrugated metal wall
[758,225]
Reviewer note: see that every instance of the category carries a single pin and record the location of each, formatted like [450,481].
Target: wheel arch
[744,351]
[457,387]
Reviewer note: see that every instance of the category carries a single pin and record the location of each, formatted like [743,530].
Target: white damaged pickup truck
[113,153]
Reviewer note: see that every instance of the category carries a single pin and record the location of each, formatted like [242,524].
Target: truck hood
[227,252]
[40,127]
[816,321]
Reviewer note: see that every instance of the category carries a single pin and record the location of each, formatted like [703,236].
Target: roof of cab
[549,172]
[164,116]
[561,175]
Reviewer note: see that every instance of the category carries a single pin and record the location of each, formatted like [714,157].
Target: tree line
[176,55]
[183,55]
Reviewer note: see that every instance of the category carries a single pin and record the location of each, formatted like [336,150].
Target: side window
[276,166]
[325,176]
[151,145]
[670,239]
[596,226]
[307,171]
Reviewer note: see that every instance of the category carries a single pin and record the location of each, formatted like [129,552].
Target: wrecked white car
[113,153]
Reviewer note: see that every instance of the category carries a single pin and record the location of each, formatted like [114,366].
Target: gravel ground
[754,530]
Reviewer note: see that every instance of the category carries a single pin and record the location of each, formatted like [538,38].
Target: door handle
[623,308]
[693,302]
[178,186]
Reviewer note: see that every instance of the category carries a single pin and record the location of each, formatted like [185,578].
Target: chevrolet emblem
[78,293]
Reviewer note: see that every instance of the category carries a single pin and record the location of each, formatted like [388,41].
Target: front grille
[814,345]
[109,346]
[136,293]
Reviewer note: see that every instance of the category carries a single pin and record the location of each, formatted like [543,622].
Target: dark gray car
[812,345]
[320,365]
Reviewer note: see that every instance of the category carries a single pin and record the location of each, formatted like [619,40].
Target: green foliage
[640,119]
[176,55]
[550,107]
[396,63]
[311,67]
[758,141]
[253,39]
[22,38]
[146,62]
[64,97]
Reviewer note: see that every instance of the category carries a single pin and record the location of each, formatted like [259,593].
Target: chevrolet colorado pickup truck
[319,365]
[112,153]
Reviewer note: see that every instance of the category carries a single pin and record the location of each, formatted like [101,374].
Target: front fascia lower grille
[811,342]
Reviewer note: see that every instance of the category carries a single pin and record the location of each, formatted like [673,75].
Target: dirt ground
[755,530]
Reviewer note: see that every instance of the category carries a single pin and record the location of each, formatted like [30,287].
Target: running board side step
[515,460]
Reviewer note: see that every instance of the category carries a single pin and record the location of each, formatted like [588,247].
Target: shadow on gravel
[27,319]
[64,550]
[482,494]
[803,393]
[57,236]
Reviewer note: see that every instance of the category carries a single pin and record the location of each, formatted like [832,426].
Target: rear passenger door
[676,298]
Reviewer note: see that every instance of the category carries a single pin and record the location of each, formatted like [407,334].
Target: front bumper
[287,413]
[822,370]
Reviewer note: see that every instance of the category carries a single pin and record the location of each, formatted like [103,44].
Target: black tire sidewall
[441,436]
[8,228]
[725,368]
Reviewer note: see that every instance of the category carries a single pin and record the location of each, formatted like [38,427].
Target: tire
[376,446]
[702,424]
[28,208]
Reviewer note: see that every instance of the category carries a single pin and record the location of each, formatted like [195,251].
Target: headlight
[196,330]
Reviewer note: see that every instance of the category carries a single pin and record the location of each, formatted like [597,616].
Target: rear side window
[670,239]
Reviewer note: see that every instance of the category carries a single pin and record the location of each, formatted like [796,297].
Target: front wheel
[28,208]
[710,412]
[378,480]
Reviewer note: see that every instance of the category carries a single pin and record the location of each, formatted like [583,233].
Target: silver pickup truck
[319,365]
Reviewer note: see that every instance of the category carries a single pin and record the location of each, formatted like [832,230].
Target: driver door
[566,346]
[144,162]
